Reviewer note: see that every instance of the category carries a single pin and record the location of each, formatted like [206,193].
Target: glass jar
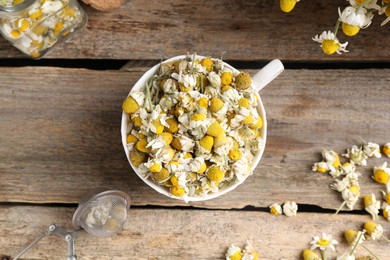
[36,26]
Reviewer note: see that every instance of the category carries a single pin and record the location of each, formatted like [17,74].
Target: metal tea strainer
[100,215]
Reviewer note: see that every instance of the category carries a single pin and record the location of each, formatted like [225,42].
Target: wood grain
[181,234]
[246,30]
[61,135]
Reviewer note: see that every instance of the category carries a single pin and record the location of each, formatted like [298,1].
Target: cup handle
[268,73]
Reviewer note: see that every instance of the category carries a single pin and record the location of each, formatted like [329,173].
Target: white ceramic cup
[259,80]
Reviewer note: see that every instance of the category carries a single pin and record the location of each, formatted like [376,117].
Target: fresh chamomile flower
[234,253]
[290,208]
[372,150]
[310,255]
[287,5]
[386,149]
[353,19]
[356,155]
[372,206]
[324,242]
[320,167]
[372,4]
[276,209]
[374,230]
[385,10]
[329,43]
[381,174]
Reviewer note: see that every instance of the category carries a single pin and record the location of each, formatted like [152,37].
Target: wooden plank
[181,234]
[61,135]
[246,30]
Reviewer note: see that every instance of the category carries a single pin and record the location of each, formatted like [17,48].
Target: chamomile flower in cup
[194,127]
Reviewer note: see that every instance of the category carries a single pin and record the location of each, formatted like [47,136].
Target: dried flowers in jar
[35,26]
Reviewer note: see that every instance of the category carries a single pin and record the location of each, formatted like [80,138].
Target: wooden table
[60,130]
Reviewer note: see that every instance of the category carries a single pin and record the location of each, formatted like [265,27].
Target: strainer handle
[69,237]
[49,231]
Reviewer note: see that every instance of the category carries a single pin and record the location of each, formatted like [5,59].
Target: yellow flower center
[287,5]
[321,169]
[380,176]
[386,214]
[386,150]
[274,211]
[387,198]
[368,200]
[323,242]
[336,162]
[350,235]
[387,11]
[310,255]
[359,2]
[355,190]
[350,30]
[370,227]
[236,256]
[330,46]
[198,117]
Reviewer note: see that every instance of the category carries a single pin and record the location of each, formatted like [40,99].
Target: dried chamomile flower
[290,208]
[371,205]
[354,237]
[371,4]
[386,211]
[310,255]
[372,150]
[353,19]
[323,243]
[320,167]
[386,149]
[233,253]
[356,155]
[287,5]
[249,253]
[381,174]
[276,209]
[130,105]
[329,43]
[332,159]
[374,230]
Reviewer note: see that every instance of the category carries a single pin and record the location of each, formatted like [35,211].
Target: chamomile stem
[361,5]
[323,254]
[385,238]
[148,95]
[336,28]
[369,251]
[341,206]
[356,244]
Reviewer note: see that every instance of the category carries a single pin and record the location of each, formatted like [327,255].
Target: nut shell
[104,5]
